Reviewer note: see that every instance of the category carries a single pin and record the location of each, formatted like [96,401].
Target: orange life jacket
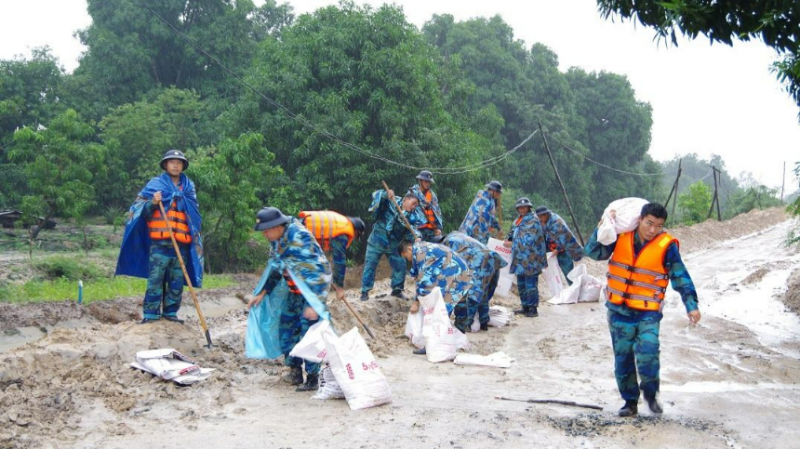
[518,220]
[639,281]
[292,285]
[430,215]
[325,225]
[177,220]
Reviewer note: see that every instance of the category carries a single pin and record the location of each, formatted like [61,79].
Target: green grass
[98,290]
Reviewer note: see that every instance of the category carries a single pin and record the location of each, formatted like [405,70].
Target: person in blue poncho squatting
[147,250]
[641,264]
[298,260]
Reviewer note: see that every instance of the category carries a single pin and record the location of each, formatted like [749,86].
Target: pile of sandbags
[499,316]
[328,387]
[584,288]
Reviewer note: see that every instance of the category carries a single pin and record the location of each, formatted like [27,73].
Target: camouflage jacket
[528,251]
[434,265]
[481,218]
[388,226]
[481,260]
[559,238]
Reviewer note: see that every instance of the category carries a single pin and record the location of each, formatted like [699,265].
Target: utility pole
[563,190]
[716,195]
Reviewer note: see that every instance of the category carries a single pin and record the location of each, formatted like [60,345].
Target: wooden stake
[551,401]
[563,190]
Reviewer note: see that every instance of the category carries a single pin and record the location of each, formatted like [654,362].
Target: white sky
[706,99]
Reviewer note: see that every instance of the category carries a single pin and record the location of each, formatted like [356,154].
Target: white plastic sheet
[626,218]
[499,316]
[497,360]
[356,371]
[170,364]
[442,340]
[506,279]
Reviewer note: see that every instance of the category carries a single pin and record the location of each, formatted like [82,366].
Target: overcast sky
[706,99]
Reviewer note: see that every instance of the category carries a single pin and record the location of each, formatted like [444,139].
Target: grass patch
[63,289]
[68,268]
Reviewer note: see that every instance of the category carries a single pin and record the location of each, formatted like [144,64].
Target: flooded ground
[731,382]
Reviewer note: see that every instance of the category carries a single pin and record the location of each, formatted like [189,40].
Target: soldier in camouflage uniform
[298,260]
[560,239]
[528,256]
[431,228]
[387,233]
[634,324]
[485,266]
[481,219]
[434,265]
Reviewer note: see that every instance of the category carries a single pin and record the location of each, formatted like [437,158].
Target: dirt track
[730,382]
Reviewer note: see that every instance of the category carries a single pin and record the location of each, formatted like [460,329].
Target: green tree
[60,163]
[365,77]
[230,179]
[776,23]
[137,135]
[695,203]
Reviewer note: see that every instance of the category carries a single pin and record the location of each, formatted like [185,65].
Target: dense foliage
[335,102]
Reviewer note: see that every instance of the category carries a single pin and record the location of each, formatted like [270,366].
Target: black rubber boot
[397,293]
[148,320]
[312,383]
[174,319]
[364,296]
[631,408]
[532,312]
[522,311]
[485,327]
[294,377]
[652,402]
[420,351]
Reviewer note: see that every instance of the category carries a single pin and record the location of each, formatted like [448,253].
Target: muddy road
[733,381]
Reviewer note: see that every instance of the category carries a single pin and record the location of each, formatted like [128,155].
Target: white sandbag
[170,364]
[476,324]
[584,288]
[328,387]
[442,340]
[356,371]
[552,274]
[626,218]
[499,316]
[506,279]
[414,329]
[312,346]
[497,359]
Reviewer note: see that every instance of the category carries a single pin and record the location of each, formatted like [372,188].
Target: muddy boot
[653,403]
[312,383]
[420,351]
[629,409]
[522,311]
[397,293]
[148,320]
[485,327]
[532,312]
[293,377]
[364,296]
[174,319]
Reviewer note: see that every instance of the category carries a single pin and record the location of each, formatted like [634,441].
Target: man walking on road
[640,266]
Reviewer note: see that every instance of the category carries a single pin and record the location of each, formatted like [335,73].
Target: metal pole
[563,190]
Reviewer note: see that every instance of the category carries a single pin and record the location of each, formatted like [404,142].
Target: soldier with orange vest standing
[428,207]
[147,250]
[334,233]
[641,265]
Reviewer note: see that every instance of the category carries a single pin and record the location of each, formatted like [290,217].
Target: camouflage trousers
[339,249]
[488,294]
[636,346]
[476,301]
[396,261]
[165,282]
[293,326]
[528,287]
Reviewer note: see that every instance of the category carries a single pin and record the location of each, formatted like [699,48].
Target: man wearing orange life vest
[641,264]
[334,232]
[428,207]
